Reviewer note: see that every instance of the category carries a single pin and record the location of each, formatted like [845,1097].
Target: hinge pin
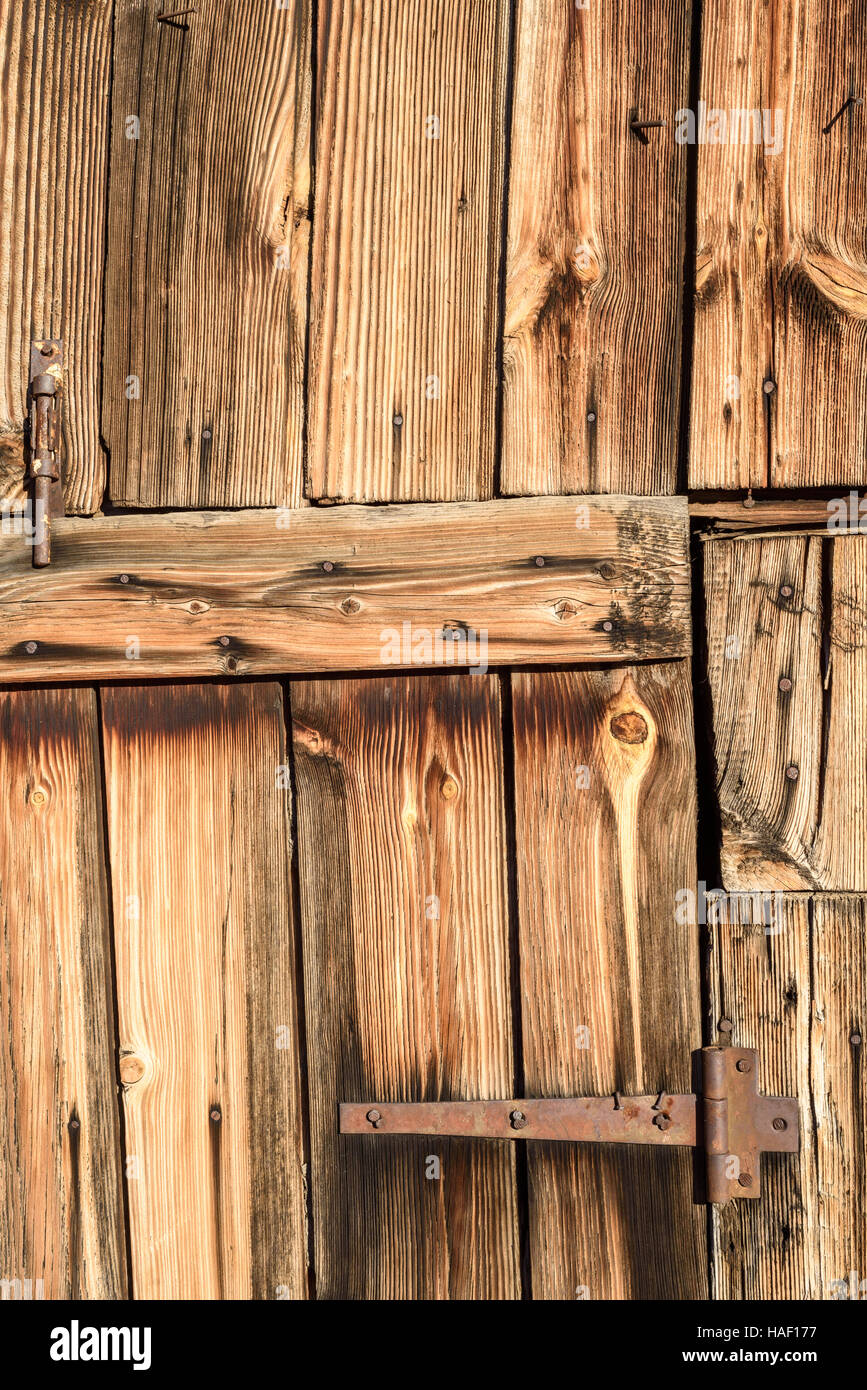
[46,398]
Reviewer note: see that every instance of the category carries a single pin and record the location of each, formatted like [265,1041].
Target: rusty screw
[517,1119]
[779,1123]
[746,1180]
[662,1122]
[374,1117]
[743,1065]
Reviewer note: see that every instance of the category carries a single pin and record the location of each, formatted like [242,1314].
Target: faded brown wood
[605,814]
[791,766]
[406,961]
[535,580]
[406,249]
[206,273]
[54,90]
[595,249]
[844,512]
[781,266]
[198,816]
[791,978]
[61,1218]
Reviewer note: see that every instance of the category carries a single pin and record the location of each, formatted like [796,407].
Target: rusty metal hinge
[46,401]
[729,1120]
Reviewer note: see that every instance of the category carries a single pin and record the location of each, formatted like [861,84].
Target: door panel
[406,961]
[198,815]
[61,1217]
[605,812]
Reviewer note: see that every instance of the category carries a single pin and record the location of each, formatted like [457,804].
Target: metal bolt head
[745,1180]
[374,1117]
[30,648]
[780,1123]
[743,1065]
[47,350]
[725,1025]
[662,1122]
[517,1119]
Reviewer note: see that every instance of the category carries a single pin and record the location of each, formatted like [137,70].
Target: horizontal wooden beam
[538,580]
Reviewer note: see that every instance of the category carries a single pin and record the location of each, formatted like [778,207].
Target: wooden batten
[540,580]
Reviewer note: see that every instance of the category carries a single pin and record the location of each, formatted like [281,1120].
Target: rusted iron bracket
[46,401]
[730,1121]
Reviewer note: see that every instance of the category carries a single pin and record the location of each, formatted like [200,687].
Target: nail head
[784,683]
[743,1065]
[30,648]
[792,772]
[224,641]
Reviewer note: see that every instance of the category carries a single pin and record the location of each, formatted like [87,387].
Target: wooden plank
[406,250]
[341,589]
[61,1217]
[199,840]
[791,773]
[594,261]
[605,811]
[749,514]
[206,272]
[53,155]
[792,981]
[406,961]
[781,284]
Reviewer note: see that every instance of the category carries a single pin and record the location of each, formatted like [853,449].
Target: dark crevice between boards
[690,242]
[518,1085]
[300,999]
[496,482]
[111,986]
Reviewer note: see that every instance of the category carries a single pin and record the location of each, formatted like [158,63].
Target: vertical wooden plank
[406,249]
[595,249]
[61,1218]
[781,272]
[793,983]
[53,158]
[198,833]
[400,814]
[788,675]
[206,275]
[605,816]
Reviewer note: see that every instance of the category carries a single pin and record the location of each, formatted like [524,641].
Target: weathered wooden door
[314,800]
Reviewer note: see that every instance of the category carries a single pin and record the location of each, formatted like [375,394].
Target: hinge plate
[730,1120]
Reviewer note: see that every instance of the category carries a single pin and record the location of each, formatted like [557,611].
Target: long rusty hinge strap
[730,1121]
[46,400]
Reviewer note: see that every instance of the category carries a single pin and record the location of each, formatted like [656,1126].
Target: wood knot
[565,608]
[350,605]
[629,727]
[449,788]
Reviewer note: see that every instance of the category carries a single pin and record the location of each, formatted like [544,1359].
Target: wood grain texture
[54,88]
[406,249]
[406,963]
[61,1219]
[605,820]
[791,760]
[544,579]
[781,269]
[206,274]
[199,842]
[595,250]
[793,983]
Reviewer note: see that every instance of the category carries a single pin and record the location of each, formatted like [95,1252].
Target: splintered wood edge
[467,584]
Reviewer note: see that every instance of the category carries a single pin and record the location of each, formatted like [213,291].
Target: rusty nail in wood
[591,417]
[328,566]
[540,560]
[374,1117]
[639,127]
[47,350]
[855,1039]
[397,421]
[780,1123]
[179,14]
[743,1064]
[124,579]
[792,772]
[786,591]
[224,641]
[784,683]
[216,1115]
[618,1103]
[657,1104]
[74,1125]
[607,626]
[662,1122]
[517,1119]
[850,101]
[30,648]
[769,386]
[745,1180]
[749,500]
[725,1025]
